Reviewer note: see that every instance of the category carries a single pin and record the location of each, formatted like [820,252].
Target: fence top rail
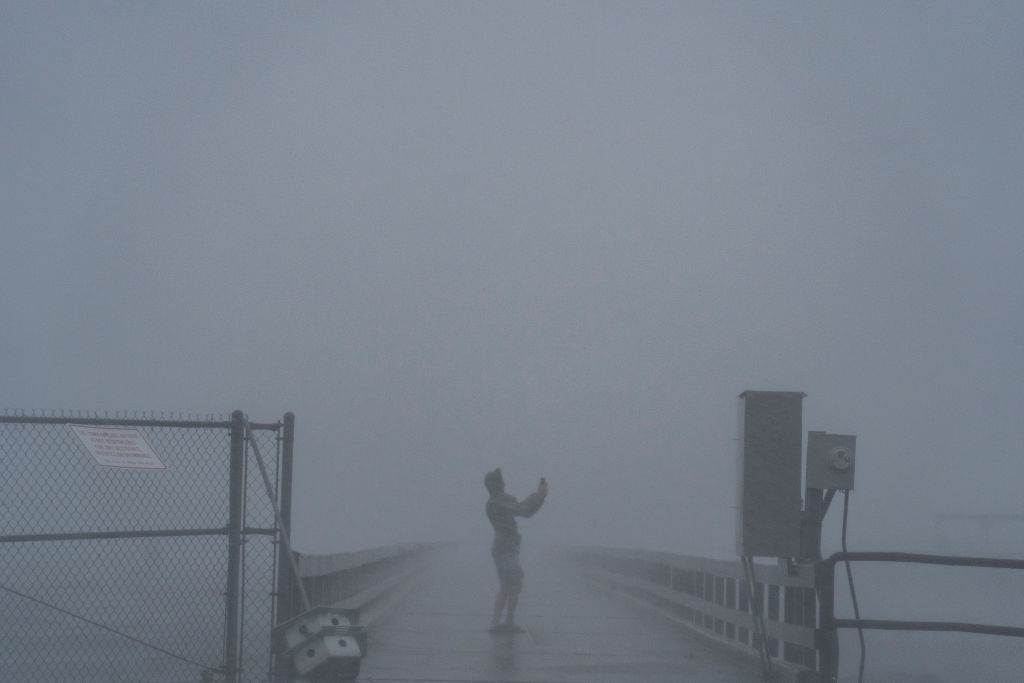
[115,421]
[916,558]
[132,422]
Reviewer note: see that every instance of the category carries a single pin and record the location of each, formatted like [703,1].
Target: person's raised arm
[529,505]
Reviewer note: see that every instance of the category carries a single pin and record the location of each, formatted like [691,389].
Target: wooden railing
[367,580]
[712,598]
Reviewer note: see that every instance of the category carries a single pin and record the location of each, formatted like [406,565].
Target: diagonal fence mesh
[120,574]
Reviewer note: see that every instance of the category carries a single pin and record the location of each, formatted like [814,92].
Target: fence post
[285,603]
[826,639]
[233,591]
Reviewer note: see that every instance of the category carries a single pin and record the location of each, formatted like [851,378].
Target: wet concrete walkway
[573,634]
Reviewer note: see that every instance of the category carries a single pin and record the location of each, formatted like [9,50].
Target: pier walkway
[572,633]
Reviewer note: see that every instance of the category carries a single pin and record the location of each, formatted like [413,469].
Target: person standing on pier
[502,509]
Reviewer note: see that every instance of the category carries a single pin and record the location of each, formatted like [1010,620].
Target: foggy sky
[559,238]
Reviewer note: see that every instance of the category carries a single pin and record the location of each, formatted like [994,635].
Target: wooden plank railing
[711,597]
[367,580]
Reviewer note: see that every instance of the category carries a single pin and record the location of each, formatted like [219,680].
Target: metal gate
[157,568]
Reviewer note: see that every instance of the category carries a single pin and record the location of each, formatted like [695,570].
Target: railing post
[826,639]
[233,591]
[286,599]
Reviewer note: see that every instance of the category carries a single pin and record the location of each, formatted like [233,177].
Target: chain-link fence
[139,549]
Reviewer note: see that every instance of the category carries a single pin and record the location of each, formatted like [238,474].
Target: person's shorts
[510,574]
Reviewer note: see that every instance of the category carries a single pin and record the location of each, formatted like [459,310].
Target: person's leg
[515,585]
[513,600]
[510,574]
[499,606]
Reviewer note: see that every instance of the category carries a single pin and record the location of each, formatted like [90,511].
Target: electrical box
[830,460]
[769,472]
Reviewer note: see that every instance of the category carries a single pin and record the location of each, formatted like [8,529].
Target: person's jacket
[502,510]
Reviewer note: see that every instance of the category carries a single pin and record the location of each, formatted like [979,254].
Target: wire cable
[205,668]
[757,615]
[853,591]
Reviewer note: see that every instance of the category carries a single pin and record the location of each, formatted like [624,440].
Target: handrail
[364,579]
[916,558]
[711,597]
[959,626]
[828,647]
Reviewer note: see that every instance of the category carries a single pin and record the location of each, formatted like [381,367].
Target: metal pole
[826,639]
[286,576]
[285,602]
[810,525]
[233,593]
[277,518]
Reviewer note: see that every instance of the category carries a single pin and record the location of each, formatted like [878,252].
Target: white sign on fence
[123,447]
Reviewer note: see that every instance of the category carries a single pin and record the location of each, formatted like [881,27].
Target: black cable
[853,592]
[204,667]
[758,618]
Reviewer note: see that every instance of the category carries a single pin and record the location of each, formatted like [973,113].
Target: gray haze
[559,238]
